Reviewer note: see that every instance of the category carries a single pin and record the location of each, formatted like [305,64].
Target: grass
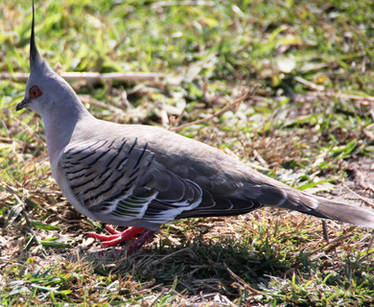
[309,125]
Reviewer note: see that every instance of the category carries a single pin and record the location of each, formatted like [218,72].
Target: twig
[331,244]
[157,298]
[331,94]
[93,76]
[367,131]
[361,181]
[175,121]
[325,231]
[371,112]
[309,84]
[364,199]
[260,159]
[228,107]
[186,3]
[241,281]
[7,140]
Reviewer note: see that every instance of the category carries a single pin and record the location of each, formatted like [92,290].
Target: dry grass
[310,124]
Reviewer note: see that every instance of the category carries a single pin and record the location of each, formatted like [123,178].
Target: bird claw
[117,237]
[146,236]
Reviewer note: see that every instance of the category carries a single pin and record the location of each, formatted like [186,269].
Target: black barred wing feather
[102,175]
[119,180]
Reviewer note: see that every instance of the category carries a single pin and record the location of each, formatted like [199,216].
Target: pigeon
[143,176]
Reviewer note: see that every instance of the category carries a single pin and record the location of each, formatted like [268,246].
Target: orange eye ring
[35,92]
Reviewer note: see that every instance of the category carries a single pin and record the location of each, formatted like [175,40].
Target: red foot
[117,237]
[146,236]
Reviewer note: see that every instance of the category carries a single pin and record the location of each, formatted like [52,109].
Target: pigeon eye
[35,92]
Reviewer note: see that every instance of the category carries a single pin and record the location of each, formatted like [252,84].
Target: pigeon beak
[22,104]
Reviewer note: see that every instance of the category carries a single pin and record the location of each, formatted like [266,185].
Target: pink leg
[117,237]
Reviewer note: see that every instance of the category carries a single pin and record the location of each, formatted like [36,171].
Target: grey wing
[103,174]
[119,181]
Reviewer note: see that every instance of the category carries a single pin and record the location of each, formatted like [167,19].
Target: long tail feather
[325,208]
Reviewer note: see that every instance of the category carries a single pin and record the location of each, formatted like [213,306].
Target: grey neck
[60,125]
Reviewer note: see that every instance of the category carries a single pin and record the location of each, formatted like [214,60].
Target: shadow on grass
[198,267]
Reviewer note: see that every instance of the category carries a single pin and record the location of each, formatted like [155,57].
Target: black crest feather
[33,50]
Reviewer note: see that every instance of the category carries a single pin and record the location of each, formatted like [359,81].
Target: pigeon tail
[330,209]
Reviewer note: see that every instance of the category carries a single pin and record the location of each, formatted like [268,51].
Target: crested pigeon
[142,176]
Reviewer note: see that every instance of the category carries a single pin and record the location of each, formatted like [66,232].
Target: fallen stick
[141,76]
[92,76]
[332,94]
[181,3]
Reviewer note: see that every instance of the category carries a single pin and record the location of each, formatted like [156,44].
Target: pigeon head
[46,91]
